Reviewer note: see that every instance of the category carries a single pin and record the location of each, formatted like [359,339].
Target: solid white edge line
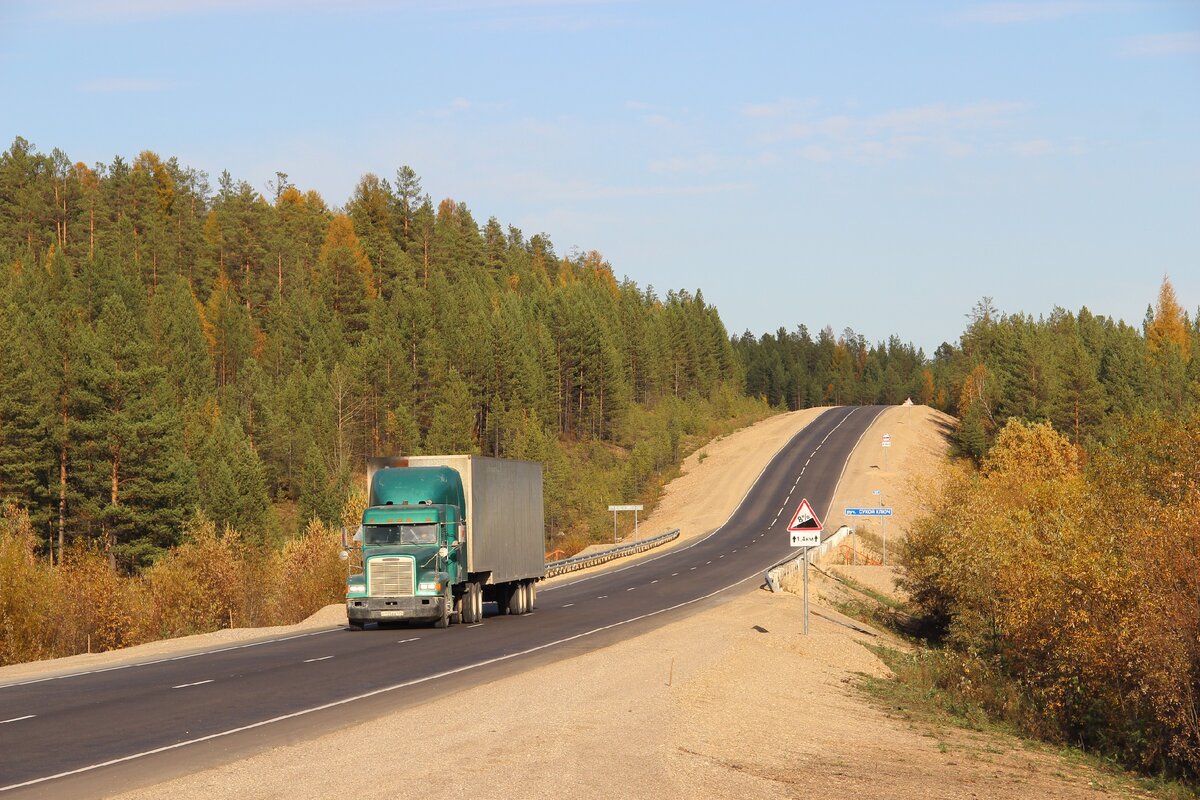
[165,660]
[375,692]
[17,719]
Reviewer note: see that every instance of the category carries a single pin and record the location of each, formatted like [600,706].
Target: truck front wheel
[447,603]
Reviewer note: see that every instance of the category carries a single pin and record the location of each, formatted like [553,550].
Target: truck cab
[412,538]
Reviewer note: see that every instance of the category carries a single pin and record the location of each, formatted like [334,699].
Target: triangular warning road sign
[805,519]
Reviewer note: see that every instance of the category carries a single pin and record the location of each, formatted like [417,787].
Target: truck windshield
[400,534]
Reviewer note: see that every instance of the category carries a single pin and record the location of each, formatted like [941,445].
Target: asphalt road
[88,734]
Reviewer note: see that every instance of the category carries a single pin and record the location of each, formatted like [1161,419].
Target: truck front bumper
[388,609]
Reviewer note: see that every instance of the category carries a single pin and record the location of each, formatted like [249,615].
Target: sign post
[635,509]
[887,442]
[805,531]
[882,526]
[881,511]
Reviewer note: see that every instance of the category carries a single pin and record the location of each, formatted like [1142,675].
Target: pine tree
[453,426]
[138,485]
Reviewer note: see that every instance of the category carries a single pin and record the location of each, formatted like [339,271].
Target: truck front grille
[390,576]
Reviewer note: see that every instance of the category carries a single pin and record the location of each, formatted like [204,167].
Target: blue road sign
[871,511]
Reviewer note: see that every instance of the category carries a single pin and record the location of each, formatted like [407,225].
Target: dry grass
[212,581]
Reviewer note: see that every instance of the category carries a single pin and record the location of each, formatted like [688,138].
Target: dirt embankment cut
[732,702]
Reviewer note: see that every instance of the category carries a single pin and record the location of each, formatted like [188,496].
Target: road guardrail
[592,559]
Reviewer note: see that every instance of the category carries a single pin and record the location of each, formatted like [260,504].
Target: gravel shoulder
[729,702]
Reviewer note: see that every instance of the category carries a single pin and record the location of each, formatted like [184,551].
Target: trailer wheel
[532,599]
[517,598]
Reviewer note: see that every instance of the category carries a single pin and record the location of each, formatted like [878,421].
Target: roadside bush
[98,607]
[26,591]
[307,574]
[206,583]
[1080,585]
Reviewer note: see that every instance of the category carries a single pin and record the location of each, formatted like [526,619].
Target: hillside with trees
[193,376]
[172,346]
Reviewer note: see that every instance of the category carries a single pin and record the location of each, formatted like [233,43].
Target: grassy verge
[948,694]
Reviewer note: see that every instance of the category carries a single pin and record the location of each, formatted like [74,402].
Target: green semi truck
[442,535]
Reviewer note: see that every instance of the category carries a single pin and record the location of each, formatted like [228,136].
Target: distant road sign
[624,508]
[870,511]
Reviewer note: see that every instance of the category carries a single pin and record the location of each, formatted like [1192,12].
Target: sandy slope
[730,702]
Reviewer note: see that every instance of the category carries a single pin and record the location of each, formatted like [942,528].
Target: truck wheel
[355,626]
[470,603]
[456,616]
[532,599]
[447,603]
[477,600]
[516,600]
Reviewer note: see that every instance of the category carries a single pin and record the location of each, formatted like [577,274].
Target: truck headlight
[429,586]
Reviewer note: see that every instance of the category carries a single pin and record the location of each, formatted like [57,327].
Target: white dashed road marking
[322,658]
[17,719]
[197,683]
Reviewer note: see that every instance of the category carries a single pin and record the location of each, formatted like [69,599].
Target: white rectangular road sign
[805,538]
[624,508]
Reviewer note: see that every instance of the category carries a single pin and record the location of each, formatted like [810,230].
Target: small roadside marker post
[635,509]
[805,531]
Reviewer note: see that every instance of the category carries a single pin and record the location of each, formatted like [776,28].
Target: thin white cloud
[637,105]
[102,85]
[928,120]
[952,131]
[460,103]
[815,152]
[1035,147]
[1162,44]
[708,163]
[1017,13]
[779,108]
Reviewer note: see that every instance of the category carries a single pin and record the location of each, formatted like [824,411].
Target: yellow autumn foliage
[1079,585]
[212,580]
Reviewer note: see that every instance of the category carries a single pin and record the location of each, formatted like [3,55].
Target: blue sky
[880,166]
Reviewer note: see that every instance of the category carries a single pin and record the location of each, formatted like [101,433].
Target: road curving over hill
[85,734]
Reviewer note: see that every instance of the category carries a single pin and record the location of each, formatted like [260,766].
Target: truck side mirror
[344,554]
[443,552]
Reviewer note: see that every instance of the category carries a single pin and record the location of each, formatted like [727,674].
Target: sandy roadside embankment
[731,702]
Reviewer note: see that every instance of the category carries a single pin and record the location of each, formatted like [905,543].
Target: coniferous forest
[172,347]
